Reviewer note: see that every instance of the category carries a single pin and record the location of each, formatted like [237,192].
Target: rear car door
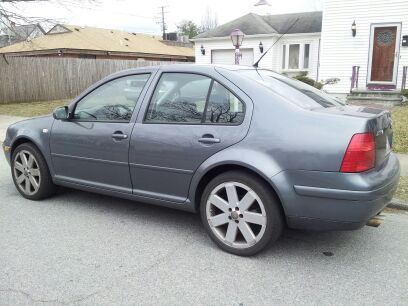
[186,118]
[92,148]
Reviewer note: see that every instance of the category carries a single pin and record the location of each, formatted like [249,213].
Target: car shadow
[291,243]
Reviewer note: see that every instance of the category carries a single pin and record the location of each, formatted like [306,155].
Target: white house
[369,35]
[377,47]
[295,52]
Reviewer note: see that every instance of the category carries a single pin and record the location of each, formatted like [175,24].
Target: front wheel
[30,173]
[240,213]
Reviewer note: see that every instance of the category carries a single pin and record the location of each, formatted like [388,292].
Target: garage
[228,57]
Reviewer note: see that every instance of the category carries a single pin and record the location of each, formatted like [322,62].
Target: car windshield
[297,92]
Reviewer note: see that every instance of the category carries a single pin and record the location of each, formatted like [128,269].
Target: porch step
[364,97]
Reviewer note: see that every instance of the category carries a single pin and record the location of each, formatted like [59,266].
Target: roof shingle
[89,38]
[253,24]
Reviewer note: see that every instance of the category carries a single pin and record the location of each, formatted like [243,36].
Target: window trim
[104,83]
[286,46]
[144,121]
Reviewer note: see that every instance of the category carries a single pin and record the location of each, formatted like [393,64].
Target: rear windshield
[295,91]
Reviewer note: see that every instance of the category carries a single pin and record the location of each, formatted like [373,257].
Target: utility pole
[163,22]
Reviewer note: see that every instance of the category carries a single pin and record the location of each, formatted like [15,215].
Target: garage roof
[97,39]
[253,24]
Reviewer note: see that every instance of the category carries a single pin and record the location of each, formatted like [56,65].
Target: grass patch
[400,127]
[402,191]
[31,109]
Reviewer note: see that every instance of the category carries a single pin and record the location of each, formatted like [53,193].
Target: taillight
[360,154]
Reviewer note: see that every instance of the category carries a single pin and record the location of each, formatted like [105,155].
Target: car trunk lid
[378,122]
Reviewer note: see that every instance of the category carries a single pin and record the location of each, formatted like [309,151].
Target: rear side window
[195,99]
[180,98]
[223,107]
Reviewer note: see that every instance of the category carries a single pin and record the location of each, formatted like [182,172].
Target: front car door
[186,118]
[92,147]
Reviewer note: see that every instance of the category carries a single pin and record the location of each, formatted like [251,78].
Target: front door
[384,50]
[92,147]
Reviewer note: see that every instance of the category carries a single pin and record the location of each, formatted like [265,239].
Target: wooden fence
[26,79]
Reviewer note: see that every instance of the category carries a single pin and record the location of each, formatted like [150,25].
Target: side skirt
[186,206]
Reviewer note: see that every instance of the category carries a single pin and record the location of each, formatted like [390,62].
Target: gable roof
[97,39]
[253,24]
[16,34]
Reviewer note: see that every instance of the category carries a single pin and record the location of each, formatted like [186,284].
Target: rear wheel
[30,173]
[240,213]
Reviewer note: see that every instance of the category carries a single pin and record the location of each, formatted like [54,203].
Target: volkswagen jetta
[251,150]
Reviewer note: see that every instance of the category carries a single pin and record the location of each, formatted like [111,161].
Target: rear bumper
[336,201]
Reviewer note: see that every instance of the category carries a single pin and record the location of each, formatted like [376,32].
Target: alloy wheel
[236,215]
[26,172]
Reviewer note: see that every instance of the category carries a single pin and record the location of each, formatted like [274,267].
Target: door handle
[209,139]
[119,135]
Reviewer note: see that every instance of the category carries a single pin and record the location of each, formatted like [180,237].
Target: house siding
[272,60]
[340,50]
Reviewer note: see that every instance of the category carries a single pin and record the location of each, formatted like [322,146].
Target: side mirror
[61,113]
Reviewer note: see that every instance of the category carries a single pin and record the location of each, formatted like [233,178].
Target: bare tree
[209,21]
[11,17]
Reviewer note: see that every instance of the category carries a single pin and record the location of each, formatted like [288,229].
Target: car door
[92,147]
[188,117]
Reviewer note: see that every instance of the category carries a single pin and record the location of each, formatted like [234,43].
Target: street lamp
[237,37]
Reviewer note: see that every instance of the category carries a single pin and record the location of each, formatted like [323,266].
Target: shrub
[404,92]
[305,79]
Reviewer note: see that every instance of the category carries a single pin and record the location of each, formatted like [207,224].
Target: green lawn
[402,191]
[400,126]
[31,109]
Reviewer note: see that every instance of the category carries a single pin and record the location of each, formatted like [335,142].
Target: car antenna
[255,65]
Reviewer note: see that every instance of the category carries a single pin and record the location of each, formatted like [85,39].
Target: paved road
[5,121]
[86,249]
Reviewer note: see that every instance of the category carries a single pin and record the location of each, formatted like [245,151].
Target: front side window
[113,101]
[193,98]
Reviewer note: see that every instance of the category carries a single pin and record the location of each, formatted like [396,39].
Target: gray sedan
[251,150]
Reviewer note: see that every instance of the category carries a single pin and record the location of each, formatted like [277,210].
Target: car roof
[184,66]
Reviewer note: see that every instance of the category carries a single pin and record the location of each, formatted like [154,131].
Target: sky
[143,16]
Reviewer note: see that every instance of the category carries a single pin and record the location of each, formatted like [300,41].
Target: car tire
[222,208]
[28,166]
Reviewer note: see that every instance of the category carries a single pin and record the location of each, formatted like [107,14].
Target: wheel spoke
[35,172]
[232,194]
[33,182]
[27,186]
[219,219]
[255,218]
[246,201]
[246,232]
[231,232]
[20,179]
[219,202]
[18,166]
[23,158]
[30,161]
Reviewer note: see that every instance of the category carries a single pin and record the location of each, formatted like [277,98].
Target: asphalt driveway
[82,248]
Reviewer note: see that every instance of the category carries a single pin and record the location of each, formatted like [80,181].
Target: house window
[306,56]
[284,57]
[295,56]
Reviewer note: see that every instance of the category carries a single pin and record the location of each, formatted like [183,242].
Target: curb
[398,204]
